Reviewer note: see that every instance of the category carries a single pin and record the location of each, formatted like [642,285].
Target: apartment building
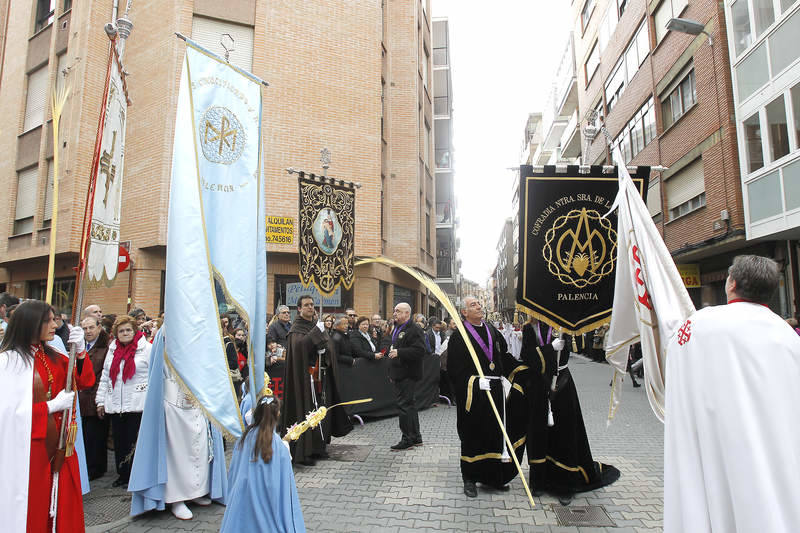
[666,98]
[504,277]
[763,51]
[447,262]
[353,76]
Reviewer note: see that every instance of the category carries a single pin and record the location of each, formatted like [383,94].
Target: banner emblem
[581,249]
[222,137]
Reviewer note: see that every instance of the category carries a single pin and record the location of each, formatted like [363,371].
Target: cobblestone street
[421,489]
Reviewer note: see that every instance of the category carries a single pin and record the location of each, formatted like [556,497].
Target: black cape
[559,455]
[303,342]
[481,439]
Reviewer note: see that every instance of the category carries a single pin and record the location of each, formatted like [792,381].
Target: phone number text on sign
[280,230]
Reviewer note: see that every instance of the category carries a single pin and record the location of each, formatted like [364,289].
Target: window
[686,190]
[764,15]
[67,7]
[791,185]
[688,206]
[621,4]
[666,10]
[48,195]
[638,133]
[208,32]
[383,108]
[586,13]
[426,152]
[795,95]
[627,66]
[742,36]
[764,196]
[441,90]
[439,36]
[786,4]
[752,140]
[777,129]
[428,232]
[615,85]
[752,73]
[36,99]
[26,200]
[607,27]
[61,65]
[783,49]
[592,62]
[45,11]
[679,100]
[424,68]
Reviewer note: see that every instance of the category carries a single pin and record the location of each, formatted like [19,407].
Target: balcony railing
[442,158]
[444,213]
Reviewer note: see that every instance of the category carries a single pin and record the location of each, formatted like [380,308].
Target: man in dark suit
[405,369]
[95,429]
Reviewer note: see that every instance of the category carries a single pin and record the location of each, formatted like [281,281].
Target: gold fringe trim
[514,372]
[547,320]
[470,383]
[541,356]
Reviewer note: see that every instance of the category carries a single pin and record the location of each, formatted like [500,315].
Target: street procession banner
[216,185]
[650,299]
[104,234]
[327,233]
[567,250]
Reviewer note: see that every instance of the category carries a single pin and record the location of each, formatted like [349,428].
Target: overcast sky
[503,56]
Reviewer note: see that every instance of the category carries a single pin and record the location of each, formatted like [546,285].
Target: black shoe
[119,482]
[636,385]
[418,442]
[565,499]
[505,488]
[402,445]
[308,462]
[470,489]
[321,455]
[537,493]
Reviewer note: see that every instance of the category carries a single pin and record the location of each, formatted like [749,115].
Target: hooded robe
[304,342]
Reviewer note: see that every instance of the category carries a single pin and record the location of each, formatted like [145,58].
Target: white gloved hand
[558,345]
[483,384]
[61,402]
[76,337]
[320,352]
[248,417]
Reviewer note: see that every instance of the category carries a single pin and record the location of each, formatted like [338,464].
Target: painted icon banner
[327,234]
[567,246]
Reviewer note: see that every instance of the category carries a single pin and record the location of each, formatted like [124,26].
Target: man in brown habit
[311,372]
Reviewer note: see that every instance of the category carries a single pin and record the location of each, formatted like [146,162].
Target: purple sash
[489,351]
[397,331]
[539,333]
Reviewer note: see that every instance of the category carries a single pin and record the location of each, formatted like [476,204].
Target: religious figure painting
[327,230]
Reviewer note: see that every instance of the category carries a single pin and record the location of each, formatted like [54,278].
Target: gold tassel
[72,434]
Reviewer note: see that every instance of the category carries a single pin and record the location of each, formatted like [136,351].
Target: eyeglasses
[351,315]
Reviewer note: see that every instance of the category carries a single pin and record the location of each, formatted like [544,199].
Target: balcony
[442,159]
[571,138]
[561,104]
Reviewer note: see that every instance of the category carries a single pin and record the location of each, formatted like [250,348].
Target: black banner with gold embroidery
[567,251]
[327,234]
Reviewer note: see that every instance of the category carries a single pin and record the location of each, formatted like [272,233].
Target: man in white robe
[732,437]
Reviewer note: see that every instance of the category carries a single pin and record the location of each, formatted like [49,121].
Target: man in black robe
[309,348]
[485,456]
[559,455]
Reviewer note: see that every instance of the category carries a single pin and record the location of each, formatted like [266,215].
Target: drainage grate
[589,515]
[349,452]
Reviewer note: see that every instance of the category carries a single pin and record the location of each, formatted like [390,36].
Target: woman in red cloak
[29,329]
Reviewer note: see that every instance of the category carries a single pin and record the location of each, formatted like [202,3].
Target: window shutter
[26,192]
[654,197]
[207,33]
[686,184]
[36,99]
[61,64]
[48,192]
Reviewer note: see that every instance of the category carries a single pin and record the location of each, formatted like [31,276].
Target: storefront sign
[295,290]
[690,274]
[280,230]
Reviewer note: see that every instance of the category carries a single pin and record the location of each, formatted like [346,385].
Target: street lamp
[692,27]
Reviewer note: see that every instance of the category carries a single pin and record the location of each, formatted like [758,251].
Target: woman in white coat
[122,390]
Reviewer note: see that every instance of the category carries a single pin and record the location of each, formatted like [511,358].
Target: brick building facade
[350,75]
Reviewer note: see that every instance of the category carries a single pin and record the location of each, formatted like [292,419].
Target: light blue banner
[216,190]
